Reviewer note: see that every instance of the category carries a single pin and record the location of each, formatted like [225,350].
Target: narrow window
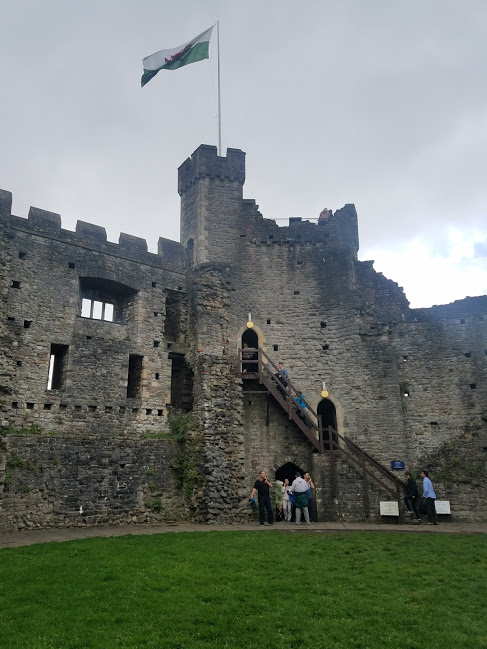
[134,376]
[96,310]
[22,255]
[468,354]
[57,367]
[15,284]
[71,265]
[190,254]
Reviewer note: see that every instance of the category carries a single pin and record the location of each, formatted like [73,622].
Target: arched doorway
[288,471]
[327,410]
[250,339]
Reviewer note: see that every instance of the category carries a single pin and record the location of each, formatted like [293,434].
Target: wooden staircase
[255,364]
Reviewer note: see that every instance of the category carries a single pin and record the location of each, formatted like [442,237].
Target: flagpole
[219,93]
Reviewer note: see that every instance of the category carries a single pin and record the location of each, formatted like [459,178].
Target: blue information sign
[397,464]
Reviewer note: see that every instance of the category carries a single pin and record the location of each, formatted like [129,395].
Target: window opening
[96,310]
[30,406]
[56,377]
[172,321]
[71,264]
[468,355]
[103,299]
[27,324]
[15,284]
[134,376]
[473,386]
[22,255]
[190,254]
[181,383]
[323,324]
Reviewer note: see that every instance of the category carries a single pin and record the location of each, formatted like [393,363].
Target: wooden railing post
[399,504]
[333,468]
[320,434]
[365,486]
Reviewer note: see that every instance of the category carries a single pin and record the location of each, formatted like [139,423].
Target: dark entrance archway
[288,471]
[249,339]
[327,410]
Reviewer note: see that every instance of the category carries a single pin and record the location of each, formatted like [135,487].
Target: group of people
[298,495]
[411,499]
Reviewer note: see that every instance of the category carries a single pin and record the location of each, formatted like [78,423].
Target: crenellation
[5,203]
[91,232]
[132,243]
[206,163]
[44,220]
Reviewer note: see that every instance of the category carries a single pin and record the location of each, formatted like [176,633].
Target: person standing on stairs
[282,377]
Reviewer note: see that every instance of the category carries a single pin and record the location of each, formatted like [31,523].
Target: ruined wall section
[49,271]
[442,363]
[82,481]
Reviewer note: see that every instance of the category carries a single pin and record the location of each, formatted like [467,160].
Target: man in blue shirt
[430,497]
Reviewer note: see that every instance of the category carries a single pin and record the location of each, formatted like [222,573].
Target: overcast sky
[381,103]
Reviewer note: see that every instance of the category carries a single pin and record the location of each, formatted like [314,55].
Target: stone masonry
[101,342]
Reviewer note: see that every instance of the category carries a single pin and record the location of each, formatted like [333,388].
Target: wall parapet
[48,224]
[206,163]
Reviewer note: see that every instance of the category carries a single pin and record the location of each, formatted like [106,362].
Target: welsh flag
[195,50]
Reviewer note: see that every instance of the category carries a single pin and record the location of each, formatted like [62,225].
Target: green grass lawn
[247,589]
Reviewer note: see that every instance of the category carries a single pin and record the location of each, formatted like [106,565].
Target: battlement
[44,223]
[206,163]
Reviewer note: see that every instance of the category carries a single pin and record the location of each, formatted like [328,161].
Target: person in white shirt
[300,489]
[287,507]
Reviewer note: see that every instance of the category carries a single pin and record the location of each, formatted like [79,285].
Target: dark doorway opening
[181,383]
[249,340]
[134,379]
[327,410]
[288,471]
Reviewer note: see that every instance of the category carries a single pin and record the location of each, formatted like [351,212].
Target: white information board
[442,506]
[389,508]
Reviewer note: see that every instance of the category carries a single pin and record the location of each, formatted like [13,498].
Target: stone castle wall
[406,383]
